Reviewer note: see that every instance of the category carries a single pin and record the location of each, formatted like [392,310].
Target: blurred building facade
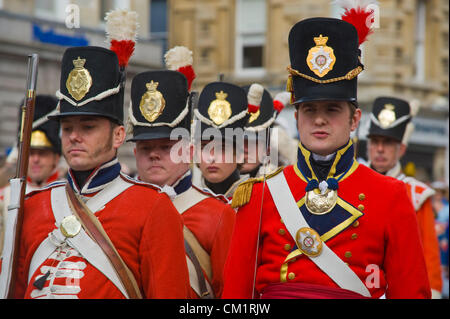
[246,41]
[48,27]
[406,56]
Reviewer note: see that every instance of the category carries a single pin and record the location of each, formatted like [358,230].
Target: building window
[250,37]
[420,41]
[51,9]
[159,21]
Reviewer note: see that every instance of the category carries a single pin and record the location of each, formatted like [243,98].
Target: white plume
[178,57]
[255,93]
[121,24]
[415,107]
[283,97]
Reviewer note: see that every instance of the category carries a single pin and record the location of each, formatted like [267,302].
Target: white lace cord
[262,126]
[393,124]
[133,122]
[98,97]
[231,120]
[44,119]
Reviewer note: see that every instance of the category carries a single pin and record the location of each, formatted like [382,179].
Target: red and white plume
[281,100]
[179,58]
[254,97]
[359,13]
[121,26]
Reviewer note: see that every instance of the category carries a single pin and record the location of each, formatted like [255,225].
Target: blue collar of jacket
[183,183]
[99,178]
[342,163]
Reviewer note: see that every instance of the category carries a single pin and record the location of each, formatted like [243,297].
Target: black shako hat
[325,61]
[91,84]
[221,106]
[159,104]
[390,117]
[45,133]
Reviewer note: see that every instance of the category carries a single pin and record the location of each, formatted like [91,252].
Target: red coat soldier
[160,119]
[390,129]
[58,256]
[328,227]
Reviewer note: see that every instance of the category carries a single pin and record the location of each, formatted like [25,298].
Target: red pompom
[189,73]
[124,49]
[278,106]
[253,108]
[359,18]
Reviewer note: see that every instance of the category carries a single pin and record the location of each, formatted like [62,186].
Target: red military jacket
[212,221]
[141,222]
[373,229]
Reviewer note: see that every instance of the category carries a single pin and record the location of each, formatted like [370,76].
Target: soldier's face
[42,163]
[384,153]
[324,126]
[89,141]
[253,152]
[155,163]
[214,164]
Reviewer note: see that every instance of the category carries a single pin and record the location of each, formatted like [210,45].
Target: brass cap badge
[387,115]
[79,80]
[152,102]
[321,58]
[220,109]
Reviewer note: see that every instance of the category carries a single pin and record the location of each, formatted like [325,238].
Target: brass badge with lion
[79,80]
[320,204]
[220,109]
[321,58]
[152,102]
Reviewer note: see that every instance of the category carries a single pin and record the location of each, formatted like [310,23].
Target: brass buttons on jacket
[287,247]
[281,231]
[362,196]
[356,223]
[291,276]
[360,207]
[348,254]
[354,236]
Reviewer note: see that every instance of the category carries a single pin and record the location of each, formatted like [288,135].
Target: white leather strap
[327,260]
[84,244]
[193,279]
[110,192]
[9,242]
[182,203]
[187,199]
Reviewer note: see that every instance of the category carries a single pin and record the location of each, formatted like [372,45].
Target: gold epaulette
[243,192]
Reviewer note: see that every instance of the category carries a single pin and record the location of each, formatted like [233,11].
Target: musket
[18,186]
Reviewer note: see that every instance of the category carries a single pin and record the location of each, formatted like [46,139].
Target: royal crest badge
[152,102]
[387,115]
[79,80]
[321,58]
[220,109]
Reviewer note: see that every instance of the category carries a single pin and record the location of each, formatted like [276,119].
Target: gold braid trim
[243,192]
[349,76]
